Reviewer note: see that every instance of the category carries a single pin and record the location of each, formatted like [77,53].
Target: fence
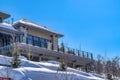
[7,49]
[76,52]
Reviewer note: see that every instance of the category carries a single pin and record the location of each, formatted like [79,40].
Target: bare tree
[108,66]
[98,64]
[62,71]
[115,66]
[62,48]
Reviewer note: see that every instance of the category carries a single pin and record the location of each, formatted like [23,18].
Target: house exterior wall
[38,34]
[52,38]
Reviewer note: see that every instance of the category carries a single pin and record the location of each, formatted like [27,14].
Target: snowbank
[30,70]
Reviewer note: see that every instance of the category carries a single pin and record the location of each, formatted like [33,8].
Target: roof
[4,15]
[7,26]
[34,25]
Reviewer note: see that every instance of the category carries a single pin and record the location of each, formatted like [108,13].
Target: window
[29,39]
[37,41]
[17,38]
[48,41]
[29,36]
[0,19]
[42,42]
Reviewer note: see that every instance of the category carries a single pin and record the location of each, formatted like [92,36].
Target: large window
[29,39]
[37,41]
[42,42]
[4,40]
[17,38]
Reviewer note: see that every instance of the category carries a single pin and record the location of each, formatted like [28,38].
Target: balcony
[68,54]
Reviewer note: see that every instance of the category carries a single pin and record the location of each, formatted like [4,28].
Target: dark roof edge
[5,15]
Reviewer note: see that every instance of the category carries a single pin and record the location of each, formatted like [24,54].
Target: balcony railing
[76,52]
[66,50]
[5,50]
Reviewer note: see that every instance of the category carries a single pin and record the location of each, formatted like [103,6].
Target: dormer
[3,16]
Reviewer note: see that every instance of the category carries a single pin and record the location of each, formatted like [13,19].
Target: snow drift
[30,70]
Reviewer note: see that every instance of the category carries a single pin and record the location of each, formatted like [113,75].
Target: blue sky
[92,24]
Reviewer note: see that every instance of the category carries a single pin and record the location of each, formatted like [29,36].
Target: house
[38,43]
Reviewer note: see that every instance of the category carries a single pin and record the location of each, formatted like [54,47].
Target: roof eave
[19,24]
[4,15]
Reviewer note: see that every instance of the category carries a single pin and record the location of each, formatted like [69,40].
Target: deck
[25,49]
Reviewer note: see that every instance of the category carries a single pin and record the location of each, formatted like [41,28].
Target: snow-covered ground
[30,70]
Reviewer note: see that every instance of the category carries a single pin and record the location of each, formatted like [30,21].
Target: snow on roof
[33,24]
[7,26]
[29,23]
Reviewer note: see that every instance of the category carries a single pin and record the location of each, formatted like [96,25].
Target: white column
[49,46]
[25,33]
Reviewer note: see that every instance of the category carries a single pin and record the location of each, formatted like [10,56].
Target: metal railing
[5,50]
[76,52]
[66,50]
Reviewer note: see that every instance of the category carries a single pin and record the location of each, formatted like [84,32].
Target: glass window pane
[29,41]
[36,38]
[29,36]
[37,41]
[41,39]
[42,45]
